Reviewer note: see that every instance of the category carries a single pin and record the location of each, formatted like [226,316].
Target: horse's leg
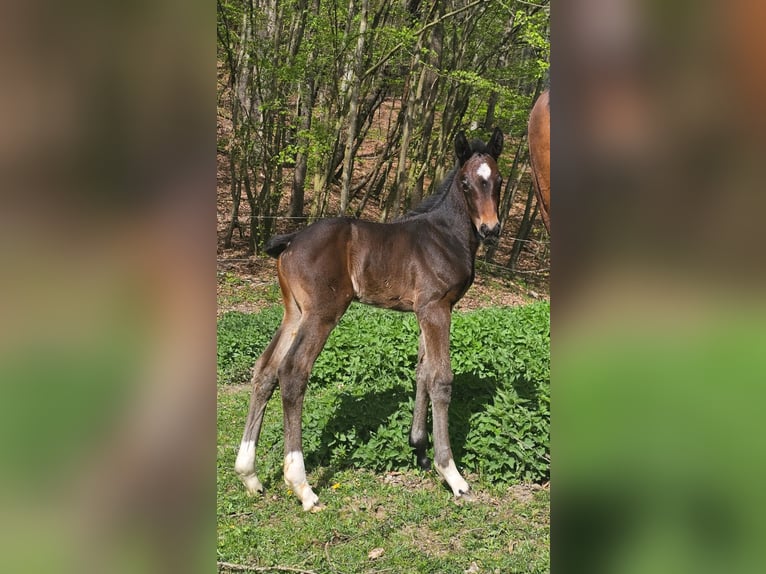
[419,430]
[264,381]
[436,373]
[293,376]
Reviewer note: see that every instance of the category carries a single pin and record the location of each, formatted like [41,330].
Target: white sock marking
[453,478]
[245,467]
[295,478]
[245,458]
[484,171]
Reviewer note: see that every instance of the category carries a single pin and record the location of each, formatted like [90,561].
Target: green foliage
[359,402]
[478,82]
[286,70]
[534,32]
[501,396]
[241,338]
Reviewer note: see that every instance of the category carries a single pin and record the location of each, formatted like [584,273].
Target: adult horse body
[423,263]
[539,132]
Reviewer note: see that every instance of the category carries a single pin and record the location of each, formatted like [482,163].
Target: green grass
[357,414]
[410,515]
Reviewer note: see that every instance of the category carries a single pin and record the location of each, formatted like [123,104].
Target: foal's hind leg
[293,376]
[264,382]
[419,430]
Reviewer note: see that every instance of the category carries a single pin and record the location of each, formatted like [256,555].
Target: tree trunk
[353,112]
[305,113]
[236,183]
[301,159]
[511,186]
[489,117]
[240,101]
[524,228]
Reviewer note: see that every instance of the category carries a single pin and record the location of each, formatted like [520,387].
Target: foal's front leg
[436,373]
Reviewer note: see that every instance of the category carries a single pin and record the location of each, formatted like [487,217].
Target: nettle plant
[360,396]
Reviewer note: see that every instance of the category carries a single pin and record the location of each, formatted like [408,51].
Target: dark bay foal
[423,263]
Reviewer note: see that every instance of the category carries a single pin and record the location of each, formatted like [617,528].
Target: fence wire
[498,269]
[262,217]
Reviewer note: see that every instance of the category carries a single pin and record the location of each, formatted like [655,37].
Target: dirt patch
[408,480]
[431,542]
[525,492]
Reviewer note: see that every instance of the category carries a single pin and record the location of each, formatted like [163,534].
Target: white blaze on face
[484,171]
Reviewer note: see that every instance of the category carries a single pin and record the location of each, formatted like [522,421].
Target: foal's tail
[278,244]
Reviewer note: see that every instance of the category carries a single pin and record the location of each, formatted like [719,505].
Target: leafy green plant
[358,407]
[241,338]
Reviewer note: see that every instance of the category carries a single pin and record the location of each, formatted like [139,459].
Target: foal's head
[480,181]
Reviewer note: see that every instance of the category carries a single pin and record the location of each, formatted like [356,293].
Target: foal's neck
[454,215]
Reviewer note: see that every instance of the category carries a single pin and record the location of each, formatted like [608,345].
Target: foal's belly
[382,293]
[381,290]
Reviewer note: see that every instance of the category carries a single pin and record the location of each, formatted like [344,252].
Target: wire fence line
[493,267]
[502,270]
[479,262]
[535,241]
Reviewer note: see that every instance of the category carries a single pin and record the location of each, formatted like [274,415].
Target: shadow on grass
[358,416]
[471,395]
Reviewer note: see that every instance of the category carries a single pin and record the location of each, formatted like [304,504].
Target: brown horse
[422,263]
[540,154]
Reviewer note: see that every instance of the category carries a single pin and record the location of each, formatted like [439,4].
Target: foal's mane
[435,199]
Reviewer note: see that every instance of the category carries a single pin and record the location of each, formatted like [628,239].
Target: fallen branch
[244,568]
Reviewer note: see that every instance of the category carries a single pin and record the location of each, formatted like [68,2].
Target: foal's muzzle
[489,234]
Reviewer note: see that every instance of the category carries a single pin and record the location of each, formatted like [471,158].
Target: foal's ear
[462,148]
[495,145]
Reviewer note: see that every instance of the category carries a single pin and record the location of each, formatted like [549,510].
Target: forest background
[352,108]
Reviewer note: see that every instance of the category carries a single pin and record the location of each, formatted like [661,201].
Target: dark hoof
[424,463]
[464,497]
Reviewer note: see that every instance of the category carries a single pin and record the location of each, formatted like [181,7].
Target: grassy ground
[398,521]
[384,522]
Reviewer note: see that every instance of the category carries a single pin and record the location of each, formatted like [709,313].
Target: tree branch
[400,45]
